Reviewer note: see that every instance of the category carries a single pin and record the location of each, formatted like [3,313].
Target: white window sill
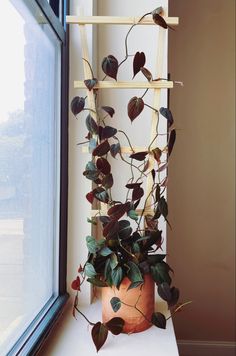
[73,337]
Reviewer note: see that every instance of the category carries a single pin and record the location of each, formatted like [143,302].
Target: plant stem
[135,307]
[127,137]
[178,308]
[90,323]
[91,70]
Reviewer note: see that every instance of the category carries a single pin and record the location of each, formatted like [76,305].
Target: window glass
[29,168]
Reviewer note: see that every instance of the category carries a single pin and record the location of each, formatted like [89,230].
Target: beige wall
[201,191]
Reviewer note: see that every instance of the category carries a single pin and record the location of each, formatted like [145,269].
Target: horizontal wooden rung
[124,149]
[117,20]
[160,84]
[138,211]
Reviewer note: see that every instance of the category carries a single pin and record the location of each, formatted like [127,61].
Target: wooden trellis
[81,21]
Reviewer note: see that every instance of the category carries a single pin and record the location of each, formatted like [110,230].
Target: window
[33,172]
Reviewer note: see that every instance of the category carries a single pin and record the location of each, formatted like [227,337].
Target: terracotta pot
[134,320]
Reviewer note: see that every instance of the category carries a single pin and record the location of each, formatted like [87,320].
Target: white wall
[109,40]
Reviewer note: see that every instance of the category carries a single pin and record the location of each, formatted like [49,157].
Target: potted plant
[126,262]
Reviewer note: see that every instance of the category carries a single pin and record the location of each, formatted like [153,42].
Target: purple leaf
[110,66]
[108,132]
[91,125]
[133,185]
[90,83]
[139,156]
[135,107]
[115,325]
[99,335]
[109,110]
[146,73]
[77,105]
[168,115]
[138,62]
[117,211]
[107,181]
[158,19]
[101,149]
[103,165]
[137,193]
[115,149]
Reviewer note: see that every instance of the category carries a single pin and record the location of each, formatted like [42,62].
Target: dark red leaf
[159,320]
[107,181]
[90,197]
[103,165]
[137,193]
[117,211]
[80,269]
[101,194]
[174,296]
[77,105]
[159,20]
[146,73]
[110,66]
[139,156]
[153,174]
[91,124]
[90,83]
[111,228]
[99,335]
[115,325]
[151,224]
[108,132]
[101,149]
[171,141]
[76,284]
[168,115]
[135,107]
[115,149]
[136,204]
[138,62]
[109,110]
[133,185]
[164,291]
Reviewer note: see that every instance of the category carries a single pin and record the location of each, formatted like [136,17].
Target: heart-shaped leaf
[117,276]
[115,149]
[90,83]
[103,165]
[110,66]
[135,107]
[76,284]
[92,144]
[91,125]
[108,132]
[90,197]
[160,273]
[168,115]
[115,303]
[99,335]
[109,110]
[91,171]
[138,62]
[115,325]
[133,185]
[89,270]
[92,245]
[158,19]
[171,141]
[105,251]
[117,211]
[124,229]
[107,181]
[134,274]
[111,228]
[139,156]
[159,320]
[137,193]
[101,149]
[77,105]
[146,73]
[163,207]
[164,291]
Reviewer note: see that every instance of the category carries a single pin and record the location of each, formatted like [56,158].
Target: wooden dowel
[162,84]
[116,20]
[104,212]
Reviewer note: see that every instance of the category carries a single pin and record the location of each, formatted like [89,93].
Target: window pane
[29,169]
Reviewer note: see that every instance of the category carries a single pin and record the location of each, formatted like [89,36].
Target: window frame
[33,337]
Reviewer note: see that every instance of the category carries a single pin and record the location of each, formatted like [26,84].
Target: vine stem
[179,308]
[135,307]
[80,312]
[91,70]
[127,139]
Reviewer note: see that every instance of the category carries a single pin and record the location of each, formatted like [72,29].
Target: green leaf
[113,261]
[105,251]
[134,273]
[134,285]
[91,125]
[115,325]
[132,214]
[91,244]
[89,270]
[160,273]
[115,303]
[97,282]
[117,276]
[159,320]
[99,335]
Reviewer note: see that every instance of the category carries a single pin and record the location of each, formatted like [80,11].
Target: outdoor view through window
[29,168]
